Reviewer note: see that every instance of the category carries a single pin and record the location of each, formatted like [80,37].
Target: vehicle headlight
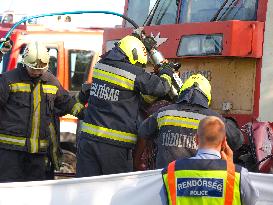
[197,45]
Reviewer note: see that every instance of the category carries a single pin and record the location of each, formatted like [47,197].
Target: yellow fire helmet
[134,49]
[36,56]
[201,82]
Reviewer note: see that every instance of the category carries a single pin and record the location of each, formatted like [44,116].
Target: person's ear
[223,142]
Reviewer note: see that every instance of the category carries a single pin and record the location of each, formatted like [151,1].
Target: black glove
[80,115]
[86,87]
[169,69]
[174,66]
[166,68]
[149,42]
[84,93]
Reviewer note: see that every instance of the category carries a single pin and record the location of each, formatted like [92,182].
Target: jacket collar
[115,55]
[213,153]
[193,96]
[25,77]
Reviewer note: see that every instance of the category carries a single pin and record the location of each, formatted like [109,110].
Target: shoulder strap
[171,182]
[230,182]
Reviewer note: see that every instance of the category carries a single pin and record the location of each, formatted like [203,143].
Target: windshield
[205,10]
[165,13]
[140,11]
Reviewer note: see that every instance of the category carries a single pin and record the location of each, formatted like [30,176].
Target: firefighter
[173,127]
[109,130]
[6,47]
[210,177]
[29,97]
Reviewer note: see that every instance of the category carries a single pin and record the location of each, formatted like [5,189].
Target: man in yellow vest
[209,178]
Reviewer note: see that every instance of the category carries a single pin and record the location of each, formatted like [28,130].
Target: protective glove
[6,46]
[86,87]
[148,41]
[80,115]
[174,66]
[169,69]
[166,68]
[84,93]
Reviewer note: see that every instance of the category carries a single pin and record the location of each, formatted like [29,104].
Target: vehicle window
[79,65]
[1,65]
[138,10]
[53,60]
[20,56]
[8,18]
[165,13]
[205,10]
[4,63]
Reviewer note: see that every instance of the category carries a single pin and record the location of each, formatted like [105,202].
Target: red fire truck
[228,41]
[73,52]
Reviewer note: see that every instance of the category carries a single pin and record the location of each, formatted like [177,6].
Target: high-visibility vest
[202,182]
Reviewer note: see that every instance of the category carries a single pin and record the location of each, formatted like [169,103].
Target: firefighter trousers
[96,158]
[17,166]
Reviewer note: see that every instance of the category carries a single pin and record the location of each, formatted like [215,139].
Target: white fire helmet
[36,56]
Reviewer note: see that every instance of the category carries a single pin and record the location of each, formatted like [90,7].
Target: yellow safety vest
[202,182]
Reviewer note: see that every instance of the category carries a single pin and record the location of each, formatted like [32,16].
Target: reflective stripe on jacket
[179,119]
[26,109]
[114,75]
[109,133]
[114,101]
[174,127]
[202,182]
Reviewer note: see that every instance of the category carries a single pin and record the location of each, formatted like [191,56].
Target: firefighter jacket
[202,181]
[27,110]
[114,99]
[174,127]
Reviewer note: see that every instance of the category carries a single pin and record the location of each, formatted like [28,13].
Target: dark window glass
[138,10]
[53,60]
[20,56]
[4,62]
[205,10]
[165,13]
[79,65]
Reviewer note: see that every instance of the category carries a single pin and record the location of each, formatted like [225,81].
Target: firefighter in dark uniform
[28,98]
[174,126]
[6,47]
[109,130]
